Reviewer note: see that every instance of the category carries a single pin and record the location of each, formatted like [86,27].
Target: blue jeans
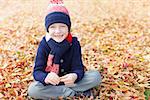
[38,91]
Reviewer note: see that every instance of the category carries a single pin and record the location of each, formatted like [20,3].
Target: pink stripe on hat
[57,6]
[56,1]
[58,9]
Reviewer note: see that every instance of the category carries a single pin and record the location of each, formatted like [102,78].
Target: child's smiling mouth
[58,35]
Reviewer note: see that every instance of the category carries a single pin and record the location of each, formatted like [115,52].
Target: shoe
[87,93]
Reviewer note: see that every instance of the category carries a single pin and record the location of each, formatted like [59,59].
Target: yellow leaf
[7,85]
[1,95]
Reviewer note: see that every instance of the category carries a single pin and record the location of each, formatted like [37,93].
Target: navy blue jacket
[71,61]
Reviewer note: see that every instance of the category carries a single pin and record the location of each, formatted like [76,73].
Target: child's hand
[69,79]
[52,78]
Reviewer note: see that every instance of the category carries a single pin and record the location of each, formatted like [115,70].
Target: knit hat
[57,13]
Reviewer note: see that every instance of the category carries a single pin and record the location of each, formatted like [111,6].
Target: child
[58,70]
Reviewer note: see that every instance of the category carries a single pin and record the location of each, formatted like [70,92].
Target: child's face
[58,31]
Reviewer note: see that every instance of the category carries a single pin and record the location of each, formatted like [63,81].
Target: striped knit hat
[57,13]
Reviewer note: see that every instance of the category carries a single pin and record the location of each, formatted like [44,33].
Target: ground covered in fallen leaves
[118,47]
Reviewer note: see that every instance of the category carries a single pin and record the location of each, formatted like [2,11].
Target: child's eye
[63,26]
[52,26]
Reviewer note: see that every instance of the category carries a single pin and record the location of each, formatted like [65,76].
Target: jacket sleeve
[77,65]
[39,73]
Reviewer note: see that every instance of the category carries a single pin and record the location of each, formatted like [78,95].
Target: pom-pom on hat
[57,13]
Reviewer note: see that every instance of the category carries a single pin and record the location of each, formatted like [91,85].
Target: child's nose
[58,30]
